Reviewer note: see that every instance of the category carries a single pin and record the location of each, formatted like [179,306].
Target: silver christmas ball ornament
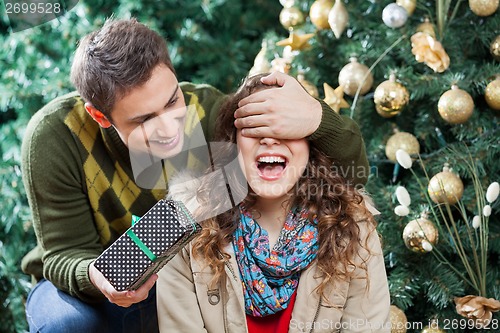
[394,16]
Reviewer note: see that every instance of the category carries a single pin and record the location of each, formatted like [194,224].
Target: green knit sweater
[81,187]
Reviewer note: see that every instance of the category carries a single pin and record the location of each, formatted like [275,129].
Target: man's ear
[97,115]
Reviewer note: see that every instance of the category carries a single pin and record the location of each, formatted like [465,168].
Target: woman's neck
[270,215]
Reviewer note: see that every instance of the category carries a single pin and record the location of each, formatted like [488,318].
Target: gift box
[148,245]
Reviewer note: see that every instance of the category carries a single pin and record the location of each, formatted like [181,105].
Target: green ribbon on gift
[141,245]
[135,218]
[138,241]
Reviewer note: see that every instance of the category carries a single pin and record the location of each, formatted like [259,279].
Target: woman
[299,254]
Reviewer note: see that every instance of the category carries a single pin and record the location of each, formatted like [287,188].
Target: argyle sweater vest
[109,177]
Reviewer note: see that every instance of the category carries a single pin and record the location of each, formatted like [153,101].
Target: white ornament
[403,196]
[401,210]
[403,158]
[492,192]
[394,16]
[476,221]
[289,53]
[487,210]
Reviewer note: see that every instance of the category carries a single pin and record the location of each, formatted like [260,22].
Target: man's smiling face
[150,118]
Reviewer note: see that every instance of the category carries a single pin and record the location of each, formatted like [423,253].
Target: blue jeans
[49,310]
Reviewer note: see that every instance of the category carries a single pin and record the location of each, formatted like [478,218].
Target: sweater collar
[115,145]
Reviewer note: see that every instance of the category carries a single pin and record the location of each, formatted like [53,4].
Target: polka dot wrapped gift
[148,245]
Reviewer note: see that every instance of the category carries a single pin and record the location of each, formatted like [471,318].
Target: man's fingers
[127,298]
[277,78]
[261,96]
[148,284]
[256,132]
[121,298]
[136,296]
[251,121]
[253,99]
[247,110]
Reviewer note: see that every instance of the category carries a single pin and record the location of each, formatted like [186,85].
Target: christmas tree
[422,81]
[400,81]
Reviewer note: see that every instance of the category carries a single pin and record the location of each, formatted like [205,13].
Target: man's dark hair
[113,60]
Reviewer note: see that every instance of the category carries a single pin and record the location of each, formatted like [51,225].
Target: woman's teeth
[271,159]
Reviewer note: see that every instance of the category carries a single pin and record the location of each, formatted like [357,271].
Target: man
[78,173]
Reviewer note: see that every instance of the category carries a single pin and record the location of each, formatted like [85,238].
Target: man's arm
[340,138]
[289,112]
[62,216]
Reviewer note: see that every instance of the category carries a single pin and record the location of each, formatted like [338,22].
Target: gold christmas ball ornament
[495,48]
[492,94]
[398,320]
[291,17]
[409,5]
[355,75]
[401,140]
[483,7]
[390,97]
[319,13]
[427,27]
[445,187]
[455,106]
[420,235]
[308,86]
[338,18]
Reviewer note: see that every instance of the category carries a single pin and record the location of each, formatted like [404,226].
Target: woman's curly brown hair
[336,205]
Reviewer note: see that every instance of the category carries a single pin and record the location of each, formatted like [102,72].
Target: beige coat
[185,304]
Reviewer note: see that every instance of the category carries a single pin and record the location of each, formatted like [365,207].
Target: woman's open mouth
[271,167]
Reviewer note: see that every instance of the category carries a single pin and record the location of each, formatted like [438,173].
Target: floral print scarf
[270,276]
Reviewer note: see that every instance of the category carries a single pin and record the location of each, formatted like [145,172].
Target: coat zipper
[231,270]
[228,266]
[316,315]
[224,312]
[222,293]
